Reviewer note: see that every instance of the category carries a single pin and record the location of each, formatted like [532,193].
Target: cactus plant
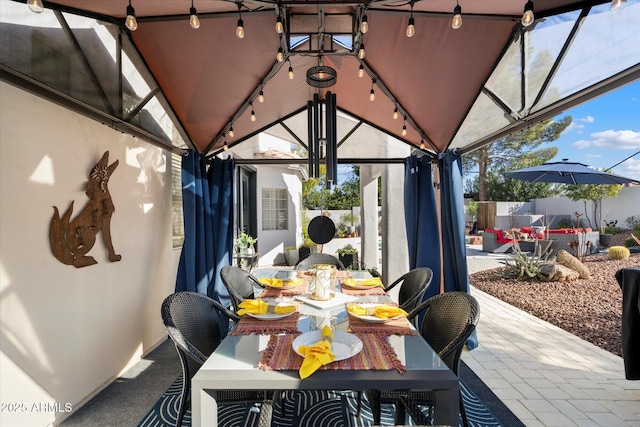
[524,266]
[619,252]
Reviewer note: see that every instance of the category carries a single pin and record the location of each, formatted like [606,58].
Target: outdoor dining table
[235,366]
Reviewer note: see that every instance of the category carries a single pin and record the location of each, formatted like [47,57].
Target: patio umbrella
[568,173]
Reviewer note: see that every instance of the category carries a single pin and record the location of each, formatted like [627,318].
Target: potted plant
[607,231]
[243,244]
[291,256]
[348,255]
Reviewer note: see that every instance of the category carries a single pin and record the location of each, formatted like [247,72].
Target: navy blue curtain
[421,218]
[456,274]
[207,199]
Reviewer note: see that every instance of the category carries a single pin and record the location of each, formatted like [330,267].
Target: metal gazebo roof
[458,88]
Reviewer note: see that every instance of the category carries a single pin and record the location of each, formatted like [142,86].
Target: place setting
[264,317]
[386,319]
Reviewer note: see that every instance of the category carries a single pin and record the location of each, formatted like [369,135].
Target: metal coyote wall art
[71,240]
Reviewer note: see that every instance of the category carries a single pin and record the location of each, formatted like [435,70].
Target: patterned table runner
[399,326]
[250,325]
[362,292]
[377,354]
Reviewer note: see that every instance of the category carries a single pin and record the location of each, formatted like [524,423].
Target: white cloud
[611,140]
[630,169]
[579,123]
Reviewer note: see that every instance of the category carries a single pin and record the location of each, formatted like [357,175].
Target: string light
[261,97]
[280,55]
[404,127]
[364,25]
[35,6]
[527,17]
[411,29]
[291,76]
[253,113]
[456,22]
[422,144]
[130,21]
[225,147]
[240,27]
[395,113]
[616,5]
[279,27]
[194,21]
[231,133]
[361,71]
[372,94]
[361,52]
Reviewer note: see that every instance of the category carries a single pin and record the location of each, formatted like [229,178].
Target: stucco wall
[66,332]
[271,243]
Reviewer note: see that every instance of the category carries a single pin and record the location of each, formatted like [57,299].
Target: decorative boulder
[568,260]
[565,274]
[557,273]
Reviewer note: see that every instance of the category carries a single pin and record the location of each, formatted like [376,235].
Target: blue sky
[605,131]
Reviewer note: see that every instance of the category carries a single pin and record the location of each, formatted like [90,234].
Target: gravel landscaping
[588,308]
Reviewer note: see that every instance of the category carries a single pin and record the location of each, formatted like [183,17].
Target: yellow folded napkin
[317,354]
[381,311]
[278,283]
[373,282]
[256,306]
[271,282]
[388,311]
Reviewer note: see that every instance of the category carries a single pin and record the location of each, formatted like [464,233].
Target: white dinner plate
[371,318]
[344,345]
[270,316]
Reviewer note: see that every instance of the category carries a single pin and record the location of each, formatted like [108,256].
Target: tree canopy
[344,196]
[595,193]
[515,151]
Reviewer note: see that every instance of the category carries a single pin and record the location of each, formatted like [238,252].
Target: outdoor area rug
[305,409]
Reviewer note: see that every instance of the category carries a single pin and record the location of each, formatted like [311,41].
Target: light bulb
[231,132]
[456,22]
[261,97]
[422,144]
[253,115]
[130,21]
[395,113]
[194,21]
[291,76]
[527,17]
[225,147]
[279,27]
[240,29]
[361,52]
[364,25]
[280,55]
[361,71]
[35,6]
[616,5]
[404,130]
[411,29]
[372,95]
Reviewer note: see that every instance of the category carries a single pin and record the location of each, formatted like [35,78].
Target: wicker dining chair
[239,283]
[318,258]
[449,319]
[413,285]
[192,322]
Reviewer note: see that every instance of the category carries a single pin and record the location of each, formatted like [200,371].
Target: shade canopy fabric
[568,173]
[459,88]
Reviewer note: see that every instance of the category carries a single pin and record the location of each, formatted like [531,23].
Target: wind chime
[322,124]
